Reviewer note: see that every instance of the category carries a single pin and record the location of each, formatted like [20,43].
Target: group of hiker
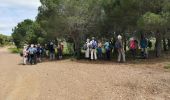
[94,49]
[33,54]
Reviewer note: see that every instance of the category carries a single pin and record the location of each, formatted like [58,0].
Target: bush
[167,66]
[15,50]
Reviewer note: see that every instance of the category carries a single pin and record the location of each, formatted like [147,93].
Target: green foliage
[15,50]
[167,66]
[151,21]
[27,32]
[5,40]
[75,20]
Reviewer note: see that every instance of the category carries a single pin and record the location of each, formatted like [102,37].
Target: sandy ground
[68,80]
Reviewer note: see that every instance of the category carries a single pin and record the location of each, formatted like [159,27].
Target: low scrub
[14,50]
[167,66]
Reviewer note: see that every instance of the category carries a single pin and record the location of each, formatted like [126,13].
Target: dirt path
[66,80]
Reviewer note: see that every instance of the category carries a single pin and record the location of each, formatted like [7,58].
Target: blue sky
[14,11]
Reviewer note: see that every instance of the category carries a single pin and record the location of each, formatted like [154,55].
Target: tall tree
[26,32]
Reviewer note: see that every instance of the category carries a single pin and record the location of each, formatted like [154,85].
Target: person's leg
[147,53]
[119,55]
[100,54]
[35,59]
[24,60]
[53,56]
[92,54]
[133,53]
[59,55]
[86,55]
[108,54]
[31,59]
[123,55]
[39,59]
[143,52]
[95,54]
[50,56]
[28,58]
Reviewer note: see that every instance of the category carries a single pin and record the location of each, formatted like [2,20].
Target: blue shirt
[32,50]
[143,43]
[106,45]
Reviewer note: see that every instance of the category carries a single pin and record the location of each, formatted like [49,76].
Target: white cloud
[14,11]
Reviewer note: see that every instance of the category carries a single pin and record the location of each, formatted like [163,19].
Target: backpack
[39,51]
[107,46]
[31,51]
[149,44]
[132,44]
[117,45]
[94,45]
[51,48]
[85,46]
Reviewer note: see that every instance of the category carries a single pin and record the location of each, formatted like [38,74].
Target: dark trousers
[108,54]
[133,52]
[32,59]
[99,53]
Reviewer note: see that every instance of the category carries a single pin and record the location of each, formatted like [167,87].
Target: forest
[76,20]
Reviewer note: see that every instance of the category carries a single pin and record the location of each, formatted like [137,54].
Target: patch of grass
[167,66]
[14,50]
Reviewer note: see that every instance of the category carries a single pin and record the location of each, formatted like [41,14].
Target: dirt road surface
[68,80]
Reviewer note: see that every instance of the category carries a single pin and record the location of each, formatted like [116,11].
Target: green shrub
[15,50]
[167,66]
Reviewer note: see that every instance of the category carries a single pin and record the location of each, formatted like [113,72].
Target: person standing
[32,52]
[39,53]
[143,46]
[99,50]
[60,50]
[35,54]
[87,48]
[107,48]
[93,44]
[25,55]
[52,51]
[119,47]
[112,44]
[133,46]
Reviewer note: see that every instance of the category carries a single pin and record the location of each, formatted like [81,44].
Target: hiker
[87,48]
[35,54]
[143,46]
[52,51]
[99,50]
[107,48]
[93,44]
[112,44]
[28,55]
[133,47]
[32,54]
[39,52]
[25,55]
[119,47]
[60,50]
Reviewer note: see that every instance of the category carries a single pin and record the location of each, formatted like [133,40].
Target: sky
[14,11]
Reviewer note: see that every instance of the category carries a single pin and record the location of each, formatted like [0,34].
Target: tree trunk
[158,45]
[77,48]
[164,44]
[125,44]
[168,44]
[77,52]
